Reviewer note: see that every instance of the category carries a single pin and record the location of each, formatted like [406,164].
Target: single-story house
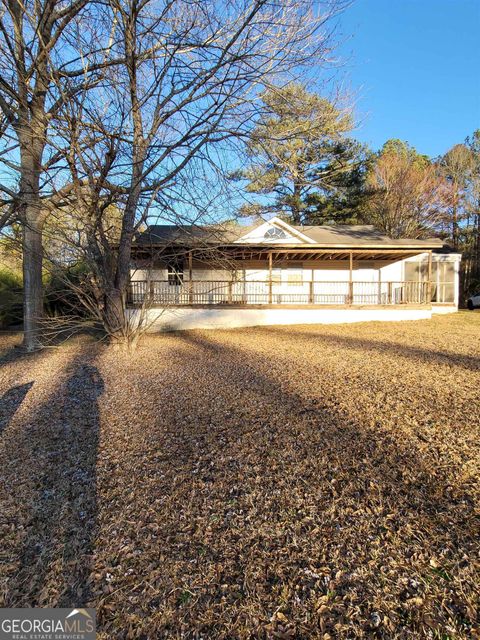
[271,273]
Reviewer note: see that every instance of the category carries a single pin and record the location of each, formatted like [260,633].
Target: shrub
[11,295]
[61,298]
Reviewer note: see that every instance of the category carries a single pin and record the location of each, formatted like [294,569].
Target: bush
[11,298]
[60,296]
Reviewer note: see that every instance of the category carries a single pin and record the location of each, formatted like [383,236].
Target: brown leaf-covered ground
[288,482]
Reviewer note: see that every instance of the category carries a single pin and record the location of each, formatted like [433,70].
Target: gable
[274,231]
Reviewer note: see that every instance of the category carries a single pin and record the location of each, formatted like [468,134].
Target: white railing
[261,292]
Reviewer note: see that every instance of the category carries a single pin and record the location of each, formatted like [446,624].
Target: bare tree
[49,51]
[188,85]
[76,264]
[407,196]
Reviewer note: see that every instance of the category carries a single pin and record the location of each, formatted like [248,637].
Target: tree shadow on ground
[53,547]
[471,363]
[285,398]
[277,499]
[17,353]
[11,401]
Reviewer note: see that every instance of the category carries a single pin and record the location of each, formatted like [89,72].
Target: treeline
[304,164]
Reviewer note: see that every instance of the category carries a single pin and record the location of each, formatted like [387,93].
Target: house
[276,273]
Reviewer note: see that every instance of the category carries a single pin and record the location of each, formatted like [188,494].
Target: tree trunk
[115,320]
[32,144]
[455,229]
[297,204]
[455,219]
[32,281]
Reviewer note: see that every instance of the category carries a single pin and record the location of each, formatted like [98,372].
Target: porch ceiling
[302,253]
[298,253]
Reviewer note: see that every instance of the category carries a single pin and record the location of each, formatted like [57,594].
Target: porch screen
[443,278]
[416,271]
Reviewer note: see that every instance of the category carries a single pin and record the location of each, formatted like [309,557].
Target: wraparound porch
[247,293]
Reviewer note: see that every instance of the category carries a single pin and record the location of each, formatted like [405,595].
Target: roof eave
[279,247]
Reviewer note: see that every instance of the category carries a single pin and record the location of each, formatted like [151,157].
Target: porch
[247,293]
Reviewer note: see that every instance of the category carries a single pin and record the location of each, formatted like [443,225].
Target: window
[175,272]
[274,234]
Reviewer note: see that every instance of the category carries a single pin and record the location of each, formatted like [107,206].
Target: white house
[277,273]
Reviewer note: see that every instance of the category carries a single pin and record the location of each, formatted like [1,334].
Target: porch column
[350,280]
[270,296]
[429,282]
[190,274]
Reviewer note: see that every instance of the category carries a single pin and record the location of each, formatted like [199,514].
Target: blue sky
[414,67]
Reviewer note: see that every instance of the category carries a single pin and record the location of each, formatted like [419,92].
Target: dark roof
[359,235]
[321,235]
[187,234]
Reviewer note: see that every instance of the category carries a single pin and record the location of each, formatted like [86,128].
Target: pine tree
[300,156]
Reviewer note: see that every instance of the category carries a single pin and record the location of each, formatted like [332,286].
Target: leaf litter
[275,482]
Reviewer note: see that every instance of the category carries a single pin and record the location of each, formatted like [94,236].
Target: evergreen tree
[347,201]
[473,144]
[301,159]
[461,166]
[458,165]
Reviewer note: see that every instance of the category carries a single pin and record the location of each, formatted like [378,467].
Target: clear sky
[414,66]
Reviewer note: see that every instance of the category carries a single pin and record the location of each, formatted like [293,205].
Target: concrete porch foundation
[181,318]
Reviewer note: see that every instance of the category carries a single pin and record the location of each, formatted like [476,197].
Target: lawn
[287,482]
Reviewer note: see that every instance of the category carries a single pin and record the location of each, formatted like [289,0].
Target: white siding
[148,274]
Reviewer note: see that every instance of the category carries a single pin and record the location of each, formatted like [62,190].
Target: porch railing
[261,292]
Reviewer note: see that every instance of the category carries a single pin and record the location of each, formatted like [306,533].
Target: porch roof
[308,242]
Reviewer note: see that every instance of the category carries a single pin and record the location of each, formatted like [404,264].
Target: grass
[287,482]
